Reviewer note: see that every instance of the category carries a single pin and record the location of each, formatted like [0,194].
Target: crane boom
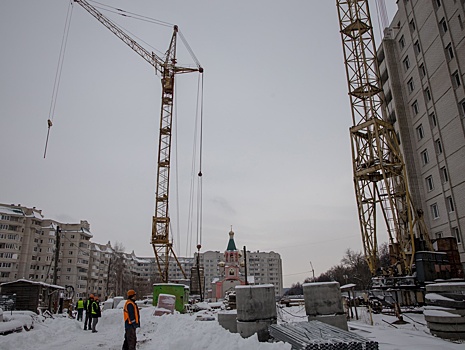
[150,57]
[166,67]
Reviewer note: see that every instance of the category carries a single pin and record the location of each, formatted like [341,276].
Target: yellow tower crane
[379,171]
[167,68]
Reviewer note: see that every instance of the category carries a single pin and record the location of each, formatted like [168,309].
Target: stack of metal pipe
[316,335]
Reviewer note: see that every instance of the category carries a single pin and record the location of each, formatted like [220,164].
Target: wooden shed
[32,295]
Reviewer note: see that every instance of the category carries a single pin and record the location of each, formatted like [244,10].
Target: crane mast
[379,171]
[167,68]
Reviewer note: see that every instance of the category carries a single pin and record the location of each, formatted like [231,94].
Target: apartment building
[101,262]
[20,233]
[422,67]
[28,244]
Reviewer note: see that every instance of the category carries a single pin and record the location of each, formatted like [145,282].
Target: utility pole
[313,271]
[57,254]
[245,266]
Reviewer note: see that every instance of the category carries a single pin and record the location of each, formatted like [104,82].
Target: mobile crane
[167,68]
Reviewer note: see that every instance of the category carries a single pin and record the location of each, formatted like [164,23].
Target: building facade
[262,268]
[29,245]
[422,67]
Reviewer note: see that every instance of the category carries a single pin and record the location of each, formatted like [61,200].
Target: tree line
[353,268]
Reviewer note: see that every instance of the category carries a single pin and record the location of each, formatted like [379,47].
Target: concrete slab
[322,298]
[255,302]
[248,329]
[228,320]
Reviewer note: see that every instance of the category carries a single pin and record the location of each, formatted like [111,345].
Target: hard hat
[131,293]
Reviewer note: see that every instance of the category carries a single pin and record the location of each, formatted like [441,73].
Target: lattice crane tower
[379,171]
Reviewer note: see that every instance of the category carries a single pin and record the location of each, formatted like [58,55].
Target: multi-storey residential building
[422,67]
[74,253]
[20,229]
[266,267]
[100,267]
[28,245]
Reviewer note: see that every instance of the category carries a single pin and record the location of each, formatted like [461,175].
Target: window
[424,157]
[435,211]
[460,22]
[444,175]
[456,79]
[406,63]
[411,85]
[456,234]
[443,25]
[438,146]
[402,42]
[420,132]
[427,94]
[462,107]
[416,47]
[393,117]
[433,121]
[449,52]
[437,4]
[422,70]
[415,108]
[450,204]
[429,183]
[412,25]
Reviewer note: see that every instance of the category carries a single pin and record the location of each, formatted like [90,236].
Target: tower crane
[379,171]
[167,68]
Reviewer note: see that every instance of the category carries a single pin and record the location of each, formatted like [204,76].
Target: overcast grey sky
[276,151]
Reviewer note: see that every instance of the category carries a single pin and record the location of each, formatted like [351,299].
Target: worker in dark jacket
[80,309]
[87,307]
[131,321]
[96,313]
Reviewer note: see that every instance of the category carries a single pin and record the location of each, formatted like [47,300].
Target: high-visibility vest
[126,312]
[94,308]
[80,304]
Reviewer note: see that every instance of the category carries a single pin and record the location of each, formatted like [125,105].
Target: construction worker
[87,307]
[131,321]
[96,313]
[80,309]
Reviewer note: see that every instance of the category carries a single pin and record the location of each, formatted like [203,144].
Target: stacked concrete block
[256,310]
[323,302]
[228,320]
[445,310]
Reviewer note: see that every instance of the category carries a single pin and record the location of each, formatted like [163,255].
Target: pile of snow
[182,331]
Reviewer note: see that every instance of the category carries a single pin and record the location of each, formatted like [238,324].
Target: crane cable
[196,203]
[56,84]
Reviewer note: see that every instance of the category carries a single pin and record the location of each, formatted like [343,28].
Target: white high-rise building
[422,68]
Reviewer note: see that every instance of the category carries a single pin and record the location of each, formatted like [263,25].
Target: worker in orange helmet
[131,321]
[87,307]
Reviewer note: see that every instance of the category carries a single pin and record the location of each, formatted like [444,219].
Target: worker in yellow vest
[80,309]
[131,321]
[96,313]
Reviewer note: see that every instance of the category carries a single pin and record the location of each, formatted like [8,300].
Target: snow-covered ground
[183,331]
